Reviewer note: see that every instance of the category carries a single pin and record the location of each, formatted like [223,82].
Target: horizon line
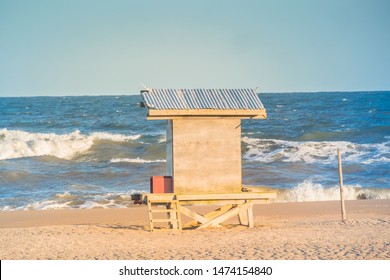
[134,94]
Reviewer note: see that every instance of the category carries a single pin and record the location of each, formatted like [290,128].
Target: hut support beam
[231,205]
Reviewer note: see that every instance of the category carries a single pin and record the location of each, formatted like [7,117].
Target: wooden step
[163,210]
[163,220]
[172,211]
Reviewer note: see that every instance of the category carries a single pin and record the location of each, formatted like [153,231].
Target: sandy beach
[283,231]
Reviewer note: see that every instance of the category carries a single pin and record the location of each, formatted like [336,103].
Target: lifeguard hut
[203,153]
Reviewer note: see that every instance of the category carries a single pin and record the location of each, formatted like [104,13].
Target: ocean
[95,151]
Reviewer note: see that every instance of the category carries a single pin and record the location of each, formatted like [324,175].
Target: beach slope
[283,231]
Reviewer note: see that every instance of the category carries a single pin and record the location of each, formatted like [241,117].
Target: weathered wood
[161,197]
[250,214]
[172,210]
[243,217]
[343,213]
[165,114]
[227,215]
[150,216]
[174,215]
[192,214]
[201,219]
[223,201]
[246,215]
[232,204]
[219,211]
[257,189]
[196,117]
[192,117]
[226,196]
[178,215]
[212,202]
[162,210]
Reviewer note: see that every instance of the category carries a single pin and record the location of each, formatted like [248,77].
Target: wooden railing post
[343,214]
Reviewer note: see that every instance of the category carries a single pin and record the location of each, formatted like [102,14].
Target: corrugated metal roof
[198,99]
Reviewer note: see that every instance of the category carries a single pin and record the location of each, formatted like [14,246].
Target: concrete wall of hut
[204,155]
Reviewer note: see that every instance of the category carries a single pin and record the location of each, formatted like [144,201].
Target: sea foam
[325,152]
[135,160]
[311,191]
[308,190]
[69,200]
[18,144]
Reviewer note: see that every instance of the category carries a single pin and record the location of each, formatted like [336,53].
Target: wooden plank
[175,206]
[226,196]
[161,201]
[171,209]
[243,217]
[178,213]
[193,215]
[190,117]
[219,211]
[171,222]
[257,189]
[150,216]
[258,114]
[200,219]
[197,117]
[174,216]
[212,198]
[160,196]
[222,202]
[192,223]
[343,213]
[250,215]
[212,202]
[229,214]
[162,210]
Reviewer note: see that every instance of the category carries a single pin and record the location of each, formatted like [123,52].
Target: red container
[161,184]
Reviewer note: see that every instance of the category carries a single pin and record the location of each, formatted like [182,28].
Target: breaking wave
[311,191]
[272,150]
[305,191]
[67,200]
[19,144]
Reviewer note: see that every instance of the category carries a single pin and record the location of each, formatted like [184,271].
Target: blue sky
[116,46]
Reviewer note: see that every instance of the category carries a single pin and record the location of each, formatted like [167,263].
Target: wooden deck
[230,205]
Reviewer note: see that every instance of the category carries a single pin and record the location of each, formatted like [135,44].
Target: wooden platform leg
[174,216]
[246,215]
[171,223]
[250,214]
[150,216]
[178,215]
[243,217]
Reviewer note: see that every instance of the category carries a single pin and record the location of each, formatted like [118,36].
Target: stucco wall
[206,155]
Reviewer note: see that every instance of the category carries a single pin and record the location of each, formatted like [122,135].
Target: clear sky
[85,47]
